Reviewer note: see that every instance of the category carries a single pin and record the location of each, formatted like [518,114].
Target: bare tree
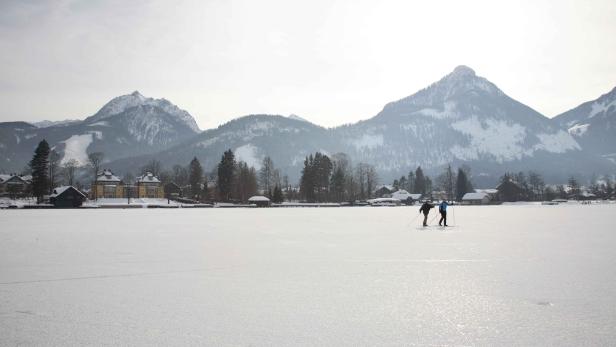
[95,160]
[153,166]
[54,169]
[266,175]
[69,169]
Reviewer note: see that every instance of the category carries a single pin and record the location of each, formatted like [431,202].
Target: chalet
[15,185]
[149,186]
[509,190]
[384,191]
[260,201]
[108,185]
[66,197]
[491,193]
[405,196]
[475,199]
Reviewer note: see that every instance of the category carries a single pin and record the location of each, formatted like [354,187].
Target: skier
[442,208]
[425,208]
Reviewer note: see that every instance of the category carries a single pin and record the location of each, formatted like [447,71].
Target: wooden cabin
[67,197]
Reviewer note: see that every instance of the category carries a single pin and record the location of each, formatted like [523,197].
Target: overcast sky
[331,62]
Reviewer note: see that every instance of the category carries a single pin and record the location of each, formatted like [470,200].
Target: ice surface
[504,275]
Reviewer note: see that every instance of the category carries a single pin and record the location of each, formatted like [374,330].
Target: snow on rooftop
[474,196]
[258,198]
[148,178]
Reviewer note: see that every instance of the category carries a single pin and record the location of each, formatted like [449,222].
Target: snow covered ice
[504,275]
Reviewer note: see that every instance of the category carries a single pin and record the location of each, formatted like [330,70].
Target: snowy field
[504,275]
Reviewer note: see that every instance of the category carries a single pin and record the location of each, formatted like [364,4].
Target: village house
[384,191]
[405,196]
[108,185]
[15,185]
[259,201]
[67,197]
[475,199]
[149,186]
[510,191]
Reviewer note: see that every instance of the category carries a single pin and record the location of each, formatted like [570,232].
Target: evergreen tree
[226,171]
[306,186]
[574,187]
[411,182]
[277,196]
[463,185]
[40,170]
[337,185]
[195,178]
[420,181]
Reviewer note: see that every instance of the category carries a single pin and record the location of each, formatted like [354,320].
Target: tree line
[323,179]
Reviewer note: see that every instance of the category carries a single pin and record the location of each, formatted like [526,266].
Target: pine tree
[195,178]
[337,185]
[306,186]
[420,181]
[40,170]
[463,185]
[226,170]
[277,196]
[411,182]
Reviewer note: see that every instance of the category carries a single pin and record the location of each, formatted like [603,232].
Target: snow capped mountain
[461,118]
[53,123]
[127,126]
[593,124]
[125,102]
[251,138]
[296,117]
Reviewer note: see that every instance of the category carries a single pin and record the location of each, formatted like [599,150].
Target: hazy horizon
[331,64]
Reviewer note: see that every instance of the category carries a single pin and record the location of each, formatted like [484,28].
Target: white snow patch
[449,111]
[559,142]
[17,138]
[101,123]
[368,141]
[207,143]
[76,147]
[97,134]
[600,108]
[249,154]
[492,137]
[29,136]
[578,129]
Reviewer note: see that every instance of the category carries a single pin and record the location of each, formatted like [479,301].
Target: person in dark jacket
[425,208]
[442,209]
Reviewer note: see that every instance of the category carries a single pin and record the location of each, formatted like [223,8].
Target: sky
[331,62]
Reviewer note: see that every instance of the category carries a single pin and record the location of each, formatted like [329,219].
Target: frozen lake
[504,275]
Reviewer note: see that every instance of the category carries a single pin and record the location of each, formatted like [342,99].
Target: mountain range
[460,119]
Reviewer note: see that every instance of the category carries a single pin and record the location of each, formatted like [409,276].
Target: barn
[66,197]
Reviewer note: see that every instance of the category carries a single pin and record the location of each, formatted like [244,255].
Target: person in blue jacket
[442,209]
